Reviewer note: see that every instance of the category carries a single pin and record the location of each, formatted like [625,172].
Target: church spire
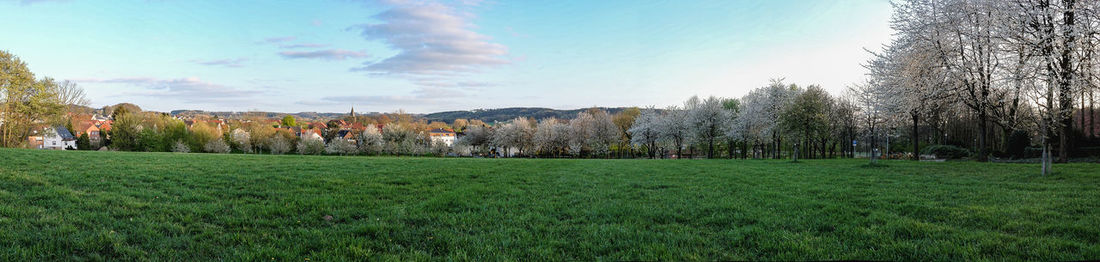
[354,119]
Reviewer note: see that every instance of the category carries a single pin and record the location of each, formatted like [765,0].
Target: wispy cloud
[237,62]
[280,39]
[306,45]
[328,54]
[445,82]
[188,90]
[388,101]
[424,96]
[431,39]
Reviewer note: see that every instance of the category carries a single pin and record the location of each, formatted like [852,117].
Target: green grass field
[163,206]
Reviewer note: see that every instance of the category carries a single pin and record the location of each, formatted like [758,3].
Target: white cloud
[188,90]
[431,39]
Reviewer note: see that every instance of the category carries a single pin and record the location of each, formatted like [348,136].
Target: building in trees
[445,136]
[59,138]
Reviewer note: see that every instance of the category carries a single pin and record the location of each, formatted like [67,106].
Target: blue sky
[428,56]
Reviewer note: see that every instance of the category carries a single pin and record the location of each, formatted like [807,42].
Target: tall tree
[674,129]
[624,120]
[807,118]
[733,109]
[646,130]
[708,120]
[289,121]
[25,101]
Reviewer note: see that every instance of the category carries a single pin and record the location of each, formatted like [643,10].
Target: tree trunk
[778,147]
[730,148]
[1092,114]
[916,137]
[1065,95]
[1046,158]
[824,142]
[744,149]
[679,150]
[983,127]
[710,148]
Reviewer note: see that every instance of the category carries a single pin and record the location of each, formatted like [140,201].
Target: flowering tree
[242,139]
[552,137]
[708,120]
[646,130]
[673,128]
[370,141]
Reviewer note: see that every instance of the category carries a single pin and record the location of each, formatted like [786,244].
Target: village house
[35,141]
[311,134]
[447,136]
[348,135]
[93,134]
[58,137]
[105,127]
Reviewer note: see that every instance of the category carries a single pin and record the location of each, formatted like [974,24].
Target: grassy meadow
[58,205]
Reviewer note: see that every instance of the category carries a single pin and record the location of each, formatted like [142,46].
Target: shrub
[216,145]
[371,142]
[439,148]
[1018,142]
[946,151]
[462,150]
[181,147]
[242,140]
[1033,152]
[278,145]
[83,142]
[341,146]
[311,146]
[151,141]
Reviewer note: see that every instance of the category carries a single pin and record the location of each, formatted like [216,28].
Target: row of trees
[775,121]
[592,134]
[158,132]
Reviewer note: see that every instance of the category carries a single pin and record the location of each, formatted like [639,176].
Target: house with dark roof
[348,135]
[58,137]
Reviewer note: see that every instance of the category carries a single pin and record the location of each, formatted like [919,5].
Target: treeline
[159,132]
[776,121]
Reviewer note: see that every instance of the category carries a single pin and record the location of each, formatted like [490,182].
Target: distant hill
[487,115]
[505,114]
[234,114]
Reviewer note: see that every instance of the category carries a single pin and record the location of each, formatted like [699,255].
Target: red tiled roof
[106,126]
